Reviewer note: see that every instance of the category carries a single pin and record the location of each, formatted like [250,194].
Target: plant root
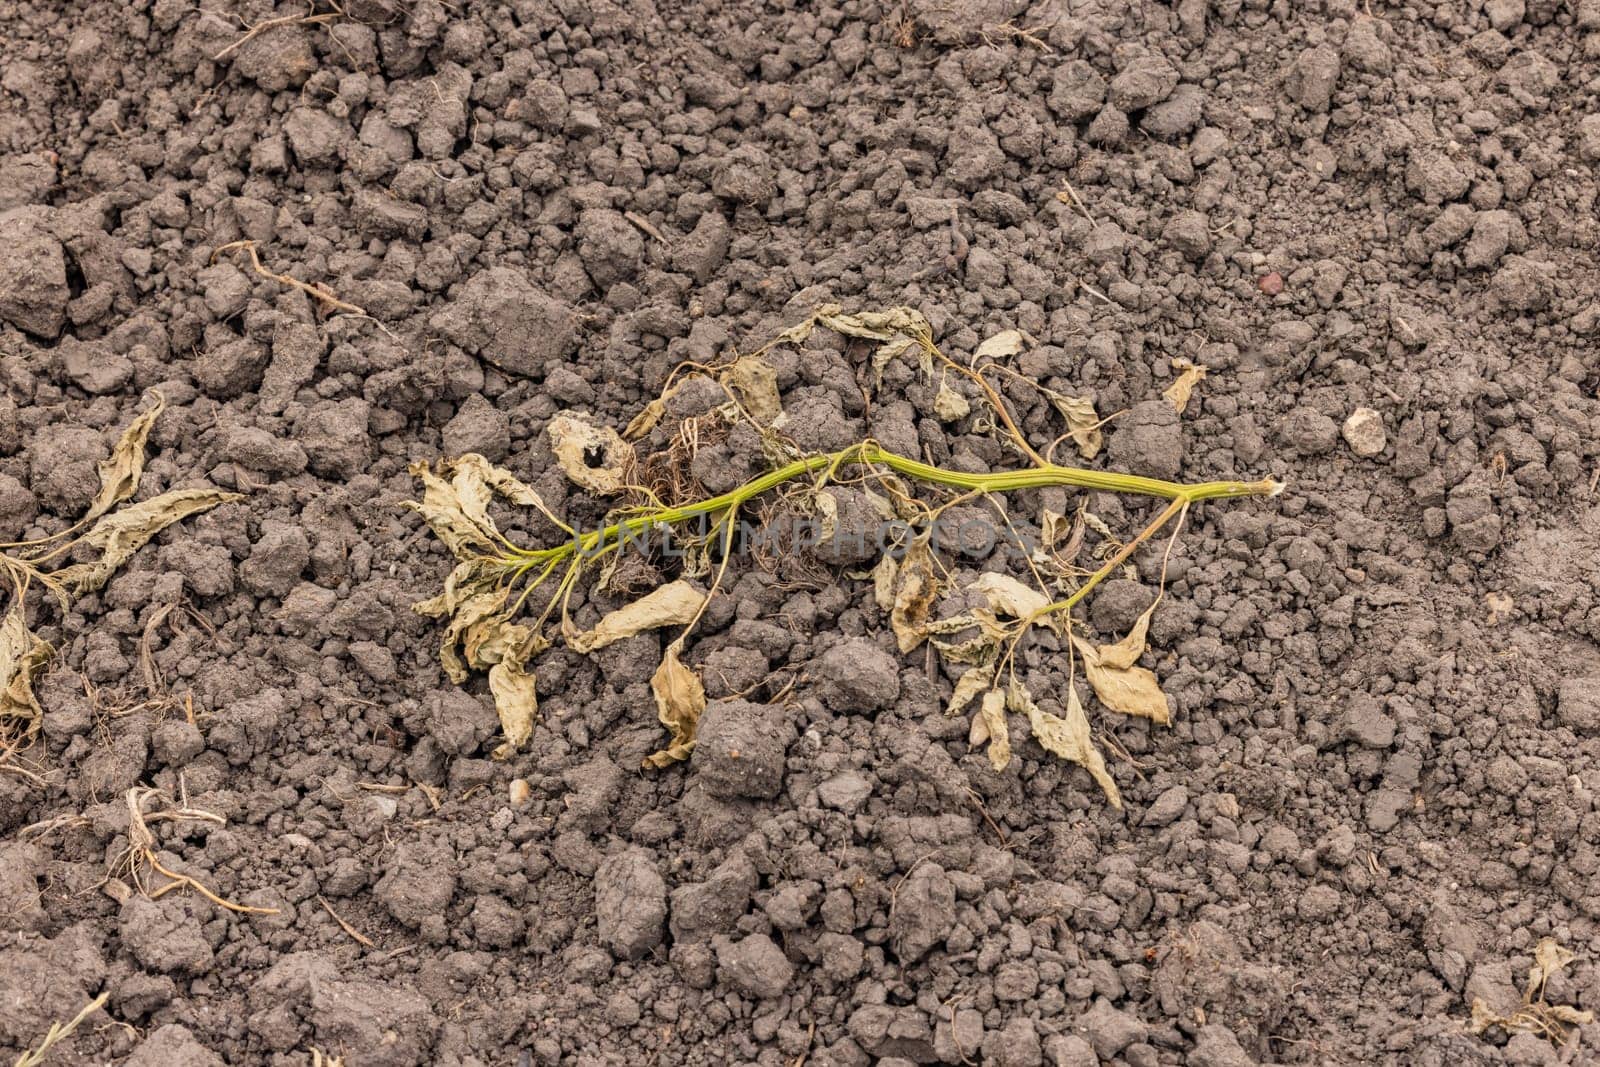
[321,294]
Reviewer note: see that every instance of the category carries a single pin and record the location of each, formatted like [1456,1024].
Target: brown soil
[1379,791]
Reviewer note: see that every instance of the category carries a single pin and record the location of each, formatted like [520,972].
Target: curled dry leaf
[914,595]
[1129,690]
[674,604]
[646,420]
[516,701]
[883,581]
[680,701]
[990,725]
[594,457]
[1126,652]
[1067,737]
[949,405]
[120,472]
[1008,596]
[1536,1014]
[1005,343]
[898,328]
[22,656]
[753,381]
[968,687]
[120,535]
[1083,423]
[1177,394]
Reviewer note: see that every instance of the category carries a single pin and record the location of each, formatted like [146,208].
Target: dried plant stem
[313,291]
[59,1032]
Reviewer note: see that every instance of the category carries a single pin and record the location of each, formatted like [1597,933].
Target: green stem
[870,453]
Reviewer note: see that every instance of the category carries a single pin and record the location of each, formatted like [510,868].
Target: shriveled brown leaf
[474,610]
[753,381]
[975,681]
[673,604]
[474,478]
[949,405]
[914,595]
[1083,423]
[22,656]
[990,725]
[1130,690]
[1009,596]
[468,578]
[646,420]
[680,701]
[1067,737]
[883,582]
[120,472]
[516,701]
[1005,343]
[1060,539]
[593,457]
[874,325]
[442,508]
[1177,394]
[120,535]
[1121,655]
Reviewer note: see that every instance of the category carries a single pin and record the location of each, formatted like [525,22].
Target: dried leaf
[975,650]
[474,478]
[827,506]
[646,420]
[1004,343]
[1177,394]
[990,725]
[1059,539]
[1008,596]
[883,582]
[1126,652]
[1130,690]
[874,325]
[469,578]
[968,687]
[755,383]
[594,457]
[673,604]
[442,508]
[950,405]
[914,596]
[680,701]
[1067,737]
[795,334]
[120,472]
[22,657]
[120,535]
[474,610]
[1083,423]
[516,701]
[1550,958]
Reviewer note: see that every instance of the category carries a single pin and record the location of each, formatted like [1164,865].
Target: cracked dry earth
[1379,792]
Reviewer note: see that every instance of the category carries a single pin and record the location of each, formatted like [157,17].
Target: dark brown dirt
[1380,789]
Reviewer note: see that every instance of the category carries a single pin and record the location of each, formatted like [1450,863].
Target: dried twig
[319,293]
[59,1032]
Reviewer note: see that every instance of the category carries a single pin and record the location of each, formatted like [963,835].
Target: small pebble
[1363,432]
[1271,284]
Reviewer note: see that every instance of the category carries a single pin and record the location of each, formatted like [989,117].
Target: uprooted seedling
[495,579]
[112,534]
[1536,1014]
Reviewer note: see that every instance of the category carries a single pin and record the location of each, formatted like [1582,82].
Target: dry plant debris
[494,579]
[59,1032]
[138,861]
[114,535]
[1536,1014]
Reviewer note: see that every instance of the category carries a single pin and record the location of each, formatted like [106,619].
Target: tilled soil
[1379,791]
